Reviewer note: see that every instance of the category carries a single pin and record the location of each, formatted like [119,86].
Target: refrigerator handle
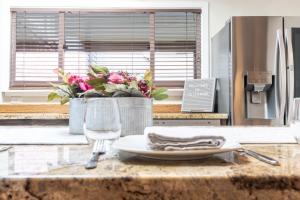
[281,76]
[290,75]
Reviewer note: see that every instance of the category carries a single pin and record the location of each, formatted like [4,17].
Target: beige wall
[221,10]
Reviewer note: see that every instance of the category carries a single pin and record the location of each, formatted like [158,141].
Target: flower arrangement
[100,82]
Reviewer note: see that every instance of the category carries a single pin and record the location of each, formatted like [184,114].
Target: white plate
[137,144]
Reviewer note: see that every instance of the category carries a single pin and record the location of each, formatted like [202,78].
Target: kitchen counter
[163,115]
[220,116]
[159,119]
[57,172]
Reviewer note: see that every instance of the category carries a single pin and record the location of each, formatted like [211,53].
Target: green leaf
[121,90]
[160,96]
[99,69]
[67,90]
[121,94]
[159,91]
[64,100]
[93,93]
[136,93]
[148,76]
[52,96]
[97,83]
[63,75]
[56,86]
[91,73]
[114,87]
[150,83]
[134,85]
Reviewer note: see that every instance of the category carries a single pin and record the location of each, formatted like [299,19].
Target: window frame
[171,84]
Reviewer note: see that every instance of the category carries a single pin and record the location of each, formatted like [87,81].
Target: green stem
[72,95]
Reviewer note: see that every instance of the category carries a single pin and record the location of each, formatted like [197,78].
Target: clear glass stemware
[102,119]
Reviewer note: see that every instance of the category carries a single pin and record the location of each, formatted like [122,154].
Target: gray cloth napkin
[170,143]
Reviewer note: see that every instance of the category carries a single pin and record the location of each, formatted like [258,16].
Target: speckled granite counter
[57,172]
[39,116]
[220,116]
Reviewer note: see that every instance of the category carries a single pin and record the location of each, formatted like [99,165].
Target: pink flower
[84,85]
[144,88]
[80,81]
[115,78]
[131,78]
[127,77]
[73,79]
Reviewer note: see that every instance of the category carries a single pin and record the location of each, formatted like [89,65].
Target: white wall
[4,45]
[221,10]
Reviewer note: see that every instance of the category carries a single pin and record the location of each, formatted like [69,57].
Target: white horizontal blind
[166,42]
[118,41]
[175,46]
[35,54]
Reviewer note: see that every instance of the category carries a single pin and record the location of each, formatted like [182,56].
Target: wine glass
[102,119]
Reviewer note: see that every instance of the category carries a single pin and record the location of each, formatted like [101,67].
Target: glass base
[101,135]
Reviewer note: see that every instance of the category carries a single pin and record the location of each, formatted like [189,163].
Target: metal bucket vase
[77,107]
[136,114]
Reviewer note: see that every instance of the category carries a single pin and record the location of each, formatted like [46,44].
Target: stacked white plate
[137,144]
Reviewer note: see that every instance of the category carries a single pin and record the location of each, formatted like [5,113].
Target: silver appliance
[253,61]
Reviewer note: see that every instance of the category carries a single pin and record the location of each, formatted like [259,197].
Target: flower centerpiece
[99,82]
[135,112]
[122,84]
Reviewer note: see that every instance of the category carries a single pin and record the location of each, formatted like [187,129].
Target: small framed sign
[199,95]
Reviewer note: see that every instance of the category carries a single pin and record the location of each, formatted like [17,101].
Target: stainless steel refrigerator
[256,61]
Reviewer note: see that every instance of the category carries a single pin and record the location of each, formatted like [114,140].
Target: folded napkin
[158,140]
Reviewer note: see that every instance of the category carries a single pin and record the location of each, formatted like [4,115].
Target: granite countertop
[216,116]
[57,172]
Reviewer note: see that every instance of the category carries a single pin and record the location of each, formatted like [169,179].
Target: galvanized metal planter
[136,114]
[77,107]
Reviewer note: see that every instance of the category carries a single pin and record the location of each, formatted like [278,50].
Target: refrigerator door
[292,41]
[290,76]
[256,56]
[281,78]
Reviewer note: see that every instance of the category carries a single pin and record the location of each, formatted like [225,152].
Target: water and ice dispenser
[260,95]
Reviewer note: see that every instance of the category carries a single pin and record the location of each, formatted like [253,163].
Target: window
[119,41]
[165,41]
[35,38]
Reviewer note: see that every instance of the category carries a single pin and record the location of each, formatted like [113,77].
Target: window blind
[165,41]
[35,39]
[118,41]
[175,46]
